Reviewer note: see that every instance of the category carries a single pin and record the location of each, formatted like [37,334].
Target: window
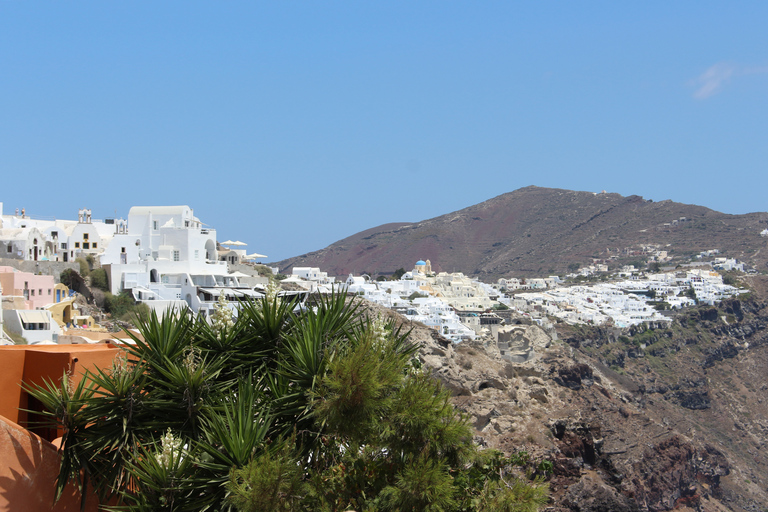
[94,245]
[64,246]
[32,292]
[55,234]
[86,245]
[77,245]
[10,247]
[154,225]
[85,236]
[197,254]
[175,255]
[49,291]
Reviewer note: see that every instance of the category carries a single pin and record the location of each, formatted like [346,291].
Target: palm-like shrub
[284,409]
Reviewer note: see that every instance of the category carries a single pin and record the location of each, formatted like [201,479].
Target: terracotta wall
[29,466]
[29,463]
[11,373]
[34,365]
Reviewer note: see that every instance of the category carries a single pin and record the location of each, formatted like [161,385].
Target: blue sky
[290,125]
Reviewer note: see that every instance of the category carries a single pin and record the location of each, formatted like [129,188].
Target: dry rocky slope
[538,231]
[679,424]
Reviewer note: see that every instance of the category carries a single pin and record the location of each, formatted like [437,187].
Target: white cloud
[755,70]
[714,79]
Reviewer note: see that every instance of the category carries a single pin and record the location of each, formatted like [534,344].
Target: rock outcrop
[683,426]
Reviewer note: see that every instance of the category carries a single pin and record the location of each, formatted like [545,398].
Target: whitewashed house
[26,238]
[313,274]
[166,258]
[35,325]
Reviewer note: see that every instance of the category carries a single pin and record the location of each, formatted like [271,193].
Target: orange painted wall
[11,373]
[34,364]
[29,466]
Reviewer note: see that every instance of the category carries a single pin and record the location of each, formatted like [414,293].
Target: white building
[35,325]
[313,274]
[32,239]
[166,258]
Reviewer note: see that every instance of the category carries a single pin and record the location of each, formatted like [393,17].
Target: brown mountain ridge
[537,231]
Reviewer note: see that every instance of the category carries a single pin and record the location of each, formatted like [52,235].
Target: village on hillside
[166,258]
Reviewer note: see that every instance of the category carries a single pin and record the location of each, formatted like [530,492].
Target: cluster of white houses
[628,301]
[167,258]
[25,238]
[460,307]
[163,255]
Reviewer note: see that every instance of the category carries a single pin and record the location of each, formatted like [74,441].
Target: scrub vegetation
[320,409]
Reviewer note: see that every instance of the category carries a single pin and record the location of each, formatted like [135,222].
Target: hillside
[537,231]
[672,418]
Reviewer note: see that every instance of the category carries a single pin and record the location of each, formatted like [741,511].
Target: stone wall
[49,268]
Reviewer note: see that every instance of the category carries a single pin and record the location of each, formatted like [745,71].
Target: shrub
[137,311]
[118,305]
[85,269]
[263,270]
[99,279]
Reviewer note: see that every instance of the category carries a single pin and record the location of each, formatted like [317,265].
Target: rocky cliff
[672,418]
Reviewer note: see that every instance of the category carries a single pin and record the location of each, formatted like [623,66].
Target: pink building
[36,291]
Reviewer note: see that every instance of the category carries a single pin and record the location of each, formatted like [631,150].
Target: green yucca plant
[285,408]
[64,405]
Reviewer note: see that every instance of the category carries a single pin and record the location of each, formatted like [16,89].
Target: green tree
[67,277]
